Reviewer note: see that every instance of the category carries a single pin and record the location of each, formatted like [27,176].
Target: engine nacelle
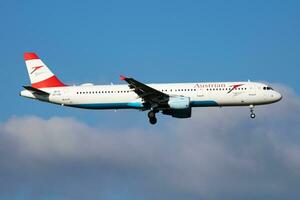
[179,107]
[179,102]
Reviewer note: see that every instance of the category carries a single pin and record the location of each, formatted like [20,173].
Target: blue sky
[157,41]
[152,41]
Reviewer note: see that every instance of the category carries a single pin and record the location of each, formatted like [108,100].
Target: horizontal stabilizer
[36,91]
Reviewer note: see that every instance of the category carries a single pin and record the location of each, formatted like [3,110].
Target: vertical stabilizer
[39,74]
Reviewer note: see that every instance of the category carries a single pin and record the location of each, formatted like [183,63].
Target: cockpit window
[267,88]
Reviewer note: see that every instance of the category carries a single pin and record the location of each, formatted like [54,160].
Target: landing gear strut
[152,118]
[252,115]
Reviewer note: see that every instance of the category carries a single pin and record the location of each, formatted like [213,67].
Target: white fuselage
[121,96]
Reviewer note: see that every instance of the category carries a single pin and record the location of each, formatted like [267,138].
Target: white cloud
[219,153]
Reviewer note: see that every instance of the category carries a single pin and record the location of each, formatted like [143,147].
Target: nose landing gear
[252,115]
[152,118]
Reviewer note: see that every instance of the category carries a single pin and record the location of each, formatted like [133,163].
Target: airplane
[174,99]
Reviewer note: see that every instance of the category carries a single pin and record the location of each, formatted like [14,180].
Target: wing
[150,95]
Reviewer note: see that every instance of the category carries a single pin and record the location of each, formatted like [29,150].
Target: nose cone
[277,96]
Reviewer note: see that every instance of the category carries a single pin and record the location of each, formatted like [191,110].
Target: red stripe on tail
[30,56]
[50,82]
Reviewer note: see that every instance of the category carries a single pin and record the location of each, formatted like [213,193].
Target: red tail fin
[40,75]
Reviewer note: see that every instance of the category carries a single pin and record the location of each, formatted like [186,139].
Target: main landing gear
[152,118]
[252,115]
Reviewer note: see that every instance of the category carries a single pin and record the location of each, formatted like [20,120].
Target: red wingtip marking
[122,78]
[30,56]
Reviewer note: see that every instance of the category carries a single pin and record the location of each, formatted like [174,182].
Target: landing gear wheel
[152,120]
[151,114]
[252,115]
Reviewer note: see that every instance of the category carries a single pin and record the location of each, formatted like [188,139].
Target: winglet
[122,78]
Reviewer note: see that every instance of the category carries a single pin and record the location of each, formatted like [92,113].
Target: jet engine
[179,102]
[179,107]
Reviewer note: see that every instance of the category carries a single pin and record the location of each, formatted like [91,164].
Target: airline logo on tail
[36,68]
